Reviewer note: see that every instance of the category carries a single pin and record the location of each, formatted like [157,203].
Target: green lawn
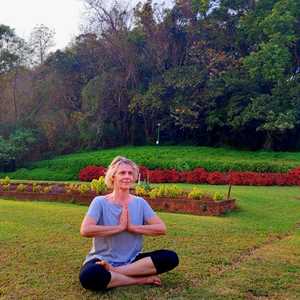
[252,253]
[67,167]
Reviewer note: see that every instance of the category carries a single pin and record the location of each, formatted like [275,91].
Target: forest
[210,73]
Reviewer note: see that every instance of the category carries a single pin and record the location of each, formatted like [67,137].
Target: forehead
[124,167]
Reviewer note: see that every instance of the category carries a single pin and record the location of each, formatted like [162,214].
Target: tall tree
[41,41]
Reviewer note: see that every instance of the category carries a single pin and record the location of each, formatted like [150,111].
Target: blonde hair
[113,167]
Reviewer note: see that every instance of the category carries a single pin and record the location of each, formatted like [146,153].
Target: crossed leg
[100,275]
[139,272]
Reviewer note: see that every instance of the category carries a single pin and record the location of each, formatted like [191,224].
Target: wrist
[132,228]
[121,228]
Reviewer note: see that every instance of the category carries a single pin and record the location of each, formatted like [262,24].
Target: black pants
[95,277]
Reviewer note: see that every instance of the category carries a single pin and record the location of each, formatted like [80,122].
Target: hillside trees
[209,72]
[41,41]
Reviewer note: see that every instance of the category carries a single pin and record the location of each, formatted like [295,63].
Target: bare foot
[154,280]
[105,265]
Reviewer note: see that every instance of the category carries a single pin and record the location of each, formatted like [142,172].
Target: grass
[67,167]
[252,253]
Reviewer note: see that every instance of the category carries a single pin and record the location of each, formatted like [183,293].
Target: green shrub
[99,185]
[196,193]
[5,181]
[84,188]
[143,189]
[217,196]
[171,191]
[67,167]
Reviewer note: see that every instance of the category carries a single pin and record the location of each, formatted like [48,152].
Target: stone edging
[181,205]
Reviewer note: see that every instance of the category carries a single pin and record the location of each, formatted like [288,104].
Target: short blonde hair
[113,167]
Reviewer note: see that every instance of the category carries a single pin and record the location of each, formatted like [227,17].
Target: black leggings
[95,277]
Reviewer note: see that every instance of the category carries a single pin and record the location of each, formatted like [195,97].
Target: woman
[117,223]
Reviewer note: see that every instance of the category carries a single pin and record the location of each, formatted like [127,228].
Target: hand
[130,226]
[124,218]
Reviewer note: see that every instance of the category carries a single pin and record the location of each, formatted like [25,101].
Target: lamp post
[158,129]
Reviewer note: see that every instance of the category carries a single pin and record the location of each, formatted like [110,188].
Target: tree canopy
[209,72]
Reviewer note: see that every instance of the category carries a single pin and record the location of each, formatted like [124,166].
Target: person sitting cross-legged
[117,223]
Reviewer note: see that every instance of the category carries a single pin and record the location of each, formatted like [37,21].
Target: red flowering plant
[216,178]
[200,175]
[91,172]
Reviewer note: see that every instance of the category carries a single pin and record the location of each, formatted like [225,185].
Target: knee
[94,277]
[166,260]
[172,259]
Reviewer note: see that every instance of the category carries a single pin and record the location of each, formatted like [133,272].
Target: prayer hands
[124,218]
[125,222]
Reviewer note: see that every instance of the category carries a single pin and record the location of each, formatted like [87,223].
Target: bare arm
[154,226]
[89,227]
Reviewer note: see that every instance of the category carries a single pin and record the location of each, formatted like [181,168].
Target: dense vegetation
[67,167]
[212,72]
[253,253]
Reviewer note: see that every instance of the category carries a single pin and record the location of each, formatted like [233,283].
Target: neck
[120,195]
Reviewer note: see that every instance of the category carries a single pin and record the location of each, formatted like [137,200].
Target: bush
[5,181]
[46,189]
[91,172]
[217,196]
[21,187]
[216,178]
[84,188]
[196,194]
[171,191]
[99,185]
[36,188]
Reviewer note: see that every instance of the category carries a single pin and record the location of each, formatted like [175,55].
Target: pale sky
[64,16]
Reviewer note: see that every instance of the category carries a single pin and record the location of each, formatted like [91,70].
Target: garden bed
[206,206]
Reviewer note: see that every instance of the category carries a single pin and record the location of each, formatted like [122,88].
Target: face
[123,178]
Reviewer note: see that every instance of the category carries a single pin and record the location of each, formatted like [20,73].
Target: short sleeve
[147,211]
[95,209]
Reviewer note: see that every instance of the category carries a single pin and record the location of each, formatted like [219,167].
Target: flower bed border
[205,207]
[202,176]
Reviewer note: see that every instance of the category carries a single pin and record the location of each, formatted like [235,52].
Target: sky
[64,16]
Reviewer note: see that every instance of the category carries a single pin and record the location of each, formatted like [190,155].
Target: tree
[41,41]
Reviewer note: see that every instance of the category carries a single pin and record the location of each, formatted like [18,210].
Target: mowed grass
[67,167]
[252,253]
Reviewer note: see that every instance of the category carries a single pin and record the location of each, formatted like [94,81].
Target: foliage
[37,188]
[67,167]
[171,191]
[210,73]
[5,180]
[217,196]
[15,150]
[84,188]
[91,172]
[21,187]
[99,185]
[196,193]
[143,188]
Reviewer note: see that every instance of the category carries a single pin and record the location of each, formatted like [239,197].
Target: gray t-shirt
[121,248]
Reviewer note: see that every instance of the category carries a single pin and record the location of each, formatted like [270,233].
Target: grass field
[252,253]
[67,167]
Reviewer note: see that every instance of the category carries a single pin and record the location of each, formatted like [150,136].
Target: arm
[89,227]
[154,226]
